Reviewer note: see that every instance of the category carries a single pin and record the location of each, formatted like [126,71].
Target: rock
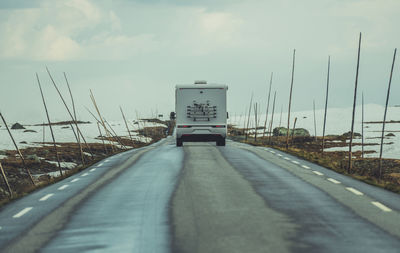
[29,131]
[17,126]
[390,134]
[65,127]
[282,131]
[23,142]
[348,135]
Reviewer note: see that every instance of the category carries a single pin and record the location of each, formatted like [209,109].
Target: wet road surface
[203,198]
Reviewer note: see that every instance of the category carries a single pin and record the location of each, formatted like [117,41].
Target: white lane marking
[295,162]
[381,206]
[22,212]
[62,187]
[356,192]
[273,152]
[278,154]
[74,180]
[333,181]
[46,197]
[92,169]
[0,227]
[286,158]
[317,173]
[101,164]
[106,161]
[305,167]
[84,174]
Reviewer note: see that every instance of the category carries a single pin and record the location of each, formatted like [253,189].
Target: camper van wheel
[179,142]
[221,142]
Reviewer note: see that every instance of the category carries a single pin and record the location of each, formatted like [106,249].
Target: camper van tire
[221,142]
[179,142]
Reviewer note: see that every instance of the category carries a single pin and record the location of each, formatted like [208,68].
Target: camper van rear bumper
[204,132]
[201,137]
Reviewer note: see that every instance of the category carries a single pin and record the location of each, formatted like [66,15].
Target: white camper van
[201,113]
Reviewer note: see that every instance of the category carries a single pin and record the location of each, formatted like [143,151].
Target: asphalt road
[203,198]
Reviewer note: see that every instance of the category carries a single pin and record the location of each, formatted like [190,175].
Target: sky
[132,53]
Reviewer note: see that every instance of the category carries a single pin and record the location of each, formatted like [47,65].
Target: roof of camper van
[201,86]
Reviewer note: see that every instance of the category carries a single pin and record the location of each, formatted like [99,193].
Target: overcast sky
[131,53]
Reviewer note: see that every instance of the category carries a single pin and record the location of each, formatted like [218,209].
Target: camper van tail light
[219,126]
[184,126]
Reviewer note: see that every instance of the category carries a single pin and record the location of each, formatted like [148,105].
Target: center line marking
[92,169]
[381,206]
[333,181]
[295,162]
[62,187]
[23,212]
[46,197]
[74,180]
[106,160]
[305,167]
[101,164]
[318,173]
[84,174]
[278,154]
[286,158]
[273,152]
[356,192]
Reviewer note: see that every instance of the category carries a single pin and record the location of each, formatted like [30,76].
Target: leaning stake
[6,180]
[248,117]
[272,120]
[266,114]
[384,116]
[290,99]
[127,128]
[16,147]
[51,129]
[326,104]
[354,108]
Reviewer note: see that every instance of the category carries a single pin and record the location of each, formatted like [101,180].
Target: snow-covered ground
[339,121]
[63,134]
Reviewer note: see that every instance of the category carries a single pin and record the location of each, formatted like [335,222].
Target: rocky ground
[309,148]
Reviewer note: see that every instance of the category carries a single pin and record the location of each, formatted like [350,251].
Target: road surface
[203,198]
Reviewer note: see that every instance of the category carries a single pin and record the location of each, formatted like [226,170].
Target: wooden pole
[51,129]
[119,140]
[256,125]
[362,125]
[384,116]
[101,135]
[272,120]
[127,128]
[290,99]
[326,104]
[69,112]
[107,132]
[294,127]
[78,139]
[280,119]
[315,122]
[248,117]
[6,180]
[19,152]
[101,119]
[354,108]
[266,114]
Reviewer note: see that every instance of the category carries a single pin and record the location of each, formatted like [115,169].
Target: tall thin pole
[354,108]
[280,119]
[362,125]
[326,103]
[255,114]
[127,128]
[75,120]
[66,107]
[266,114]
[290,99]
[315,122]
[19,152]
[6,180]
[51,129]
[102,139]
[248,117]
[384,116]
[294,127]
[272,120]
